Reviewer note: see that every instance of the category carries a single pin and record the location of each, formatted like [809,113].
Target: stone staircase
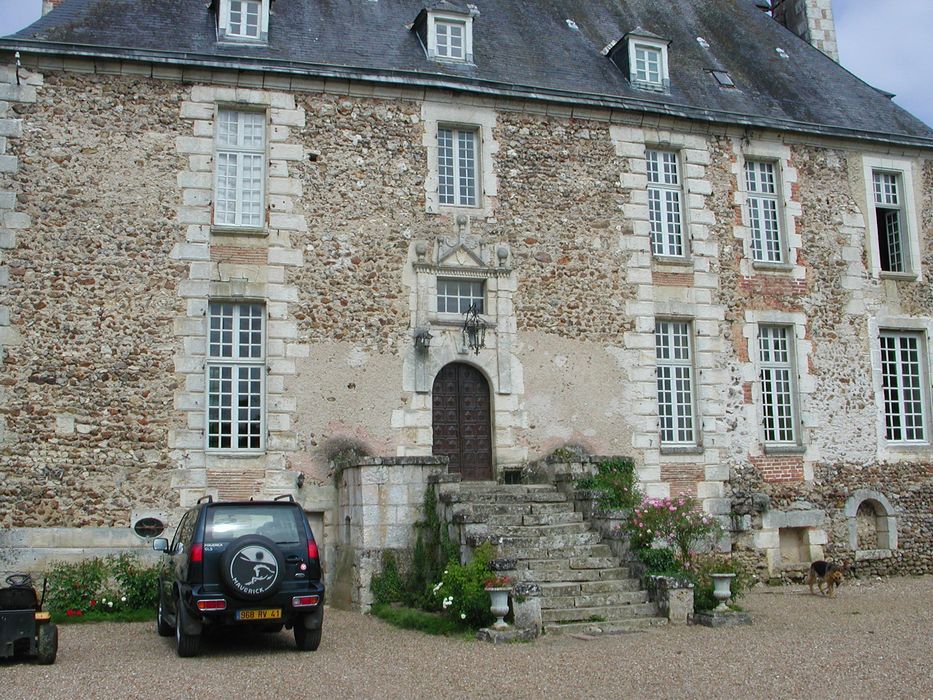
[585,588]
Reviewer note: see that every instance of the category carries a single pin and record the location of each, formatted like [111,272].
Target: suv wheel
[185,644]
[305,639]
[164,628]
[252,567]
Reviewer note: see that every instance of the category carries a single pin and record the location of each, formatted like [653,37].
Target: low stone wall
[34,549]
[379,501]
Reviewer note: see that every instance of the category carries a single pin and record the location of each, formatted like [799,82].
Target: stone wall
[110,259]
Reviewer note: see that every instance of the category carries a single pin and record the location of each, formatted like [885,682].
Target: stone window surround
[903,168]
[887,538]
[223,24]
[239,228]
[483,120]
[788,209]
[768,538]
[805,384]
[893,451]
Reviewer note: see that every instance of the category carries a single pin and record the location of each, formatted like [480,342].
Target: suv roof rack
[285,496]
[206,499]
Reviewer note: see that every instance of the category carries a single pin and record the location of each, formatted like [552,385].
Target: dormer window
[643,57]
[243,20]
[446,32]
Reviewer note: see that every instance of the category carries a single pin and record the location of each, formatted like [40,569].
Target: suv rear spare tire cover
[252,567]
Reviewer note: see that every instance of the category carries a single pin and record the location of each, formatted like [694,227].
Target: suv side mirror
[160,544]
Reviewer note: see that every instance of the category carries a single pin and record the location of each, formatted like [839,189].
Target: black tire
[307,640]
[186,645]
[47,647]
[162,627]
[242,560]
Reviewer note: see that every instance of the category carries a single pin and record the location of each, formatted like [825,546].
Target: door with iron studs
[461,421]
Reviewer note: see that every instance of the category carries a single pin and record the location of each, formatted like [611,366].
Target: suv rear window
[226,523]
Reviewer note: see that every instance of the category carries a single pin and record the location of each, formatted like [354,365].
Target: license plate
[249,615]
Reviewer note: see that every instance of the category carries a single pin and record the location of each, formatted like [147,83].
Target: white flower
[438,587]
[109,603]
[463,616]
[445,572]
[123,599]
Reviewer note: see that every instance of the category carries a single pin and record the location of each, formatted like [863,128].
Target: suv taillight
[197,554]
[312,550]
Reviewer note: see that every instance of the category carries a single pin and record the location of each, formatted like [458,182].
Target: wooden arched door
[461,421]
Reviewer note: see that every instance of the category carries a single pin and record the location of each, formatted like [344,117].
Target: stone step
[620,585]
[559,518]
[553,541]
[547,553]
[593,600]
[538,531]
[600,613]
[564,575]
[481,497]
[636,624]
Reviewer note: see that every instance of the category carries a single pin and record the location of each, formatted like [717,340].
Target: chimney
[49,5]
[811,20]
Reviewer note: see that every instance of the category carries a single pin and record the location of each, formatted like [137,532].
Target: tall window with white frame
[904,386]
[674,350]
[239,165]
[762,198]
[458,184]
[892,224]
[244,18]
[236,364]
[455,296]
[778,387]
[664,203]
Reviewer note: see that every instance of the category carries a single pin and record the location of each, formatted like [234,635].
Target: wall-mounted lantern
[423,339]
[474,330]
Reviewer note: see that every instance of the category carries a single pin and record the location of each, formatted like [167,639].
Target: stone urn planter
[722,590]
[498,588]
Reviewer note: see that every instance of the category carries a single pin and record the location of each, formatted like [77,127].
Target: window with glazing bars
[647,65]
[456,296]
[456,166]
[244,18]
[763,211]
[450,40]
[778,388]
[673,350]
[902,380]
[240,174]
[889,215]
[664,203]
[235,376]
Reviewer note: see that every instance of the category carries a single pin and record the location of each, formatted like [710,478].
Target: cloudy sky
[887,43]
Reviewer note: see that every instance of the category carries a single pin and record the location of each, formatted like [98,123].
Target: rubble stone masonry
[109,259]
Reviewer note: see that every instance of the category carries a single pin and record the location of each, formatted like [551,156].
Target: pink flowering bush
[679,523]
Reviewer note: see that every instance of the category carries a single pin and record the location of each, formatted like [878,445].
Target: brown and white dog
[828,573]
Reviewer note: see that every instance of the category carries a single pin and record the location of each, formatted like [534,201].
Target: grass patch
[420,620]
[136,615]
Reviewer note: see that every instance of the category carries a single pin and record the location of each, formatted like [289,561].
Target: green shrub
[387,586]
[421,620]
[660,562]
[616,481]
[114,587]
[461,593]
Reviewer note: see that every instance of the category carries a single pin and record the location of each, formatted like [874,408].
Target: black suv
[244,563]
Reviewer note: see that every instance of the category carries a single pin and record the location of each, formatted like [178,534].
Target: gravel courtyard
[874,640]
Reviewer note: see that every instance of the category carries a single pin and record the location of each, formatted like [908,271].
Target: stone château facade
[236,259]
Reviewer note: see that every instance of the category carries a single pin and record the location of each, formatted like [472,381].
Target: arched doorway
[461,421]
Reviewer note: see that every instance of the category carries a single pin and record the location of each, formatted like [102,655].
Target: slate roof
[523,48]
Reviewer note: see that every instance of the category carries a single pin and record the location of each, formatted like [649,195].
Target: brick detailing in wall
[775,468]
[683,478]
[239,254]
[672,279]
[235,486]
[771,291]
